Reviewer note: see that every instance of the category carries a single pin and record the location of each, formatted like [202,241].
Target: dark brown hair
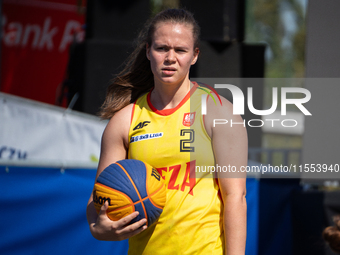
[332,235]
[137,78]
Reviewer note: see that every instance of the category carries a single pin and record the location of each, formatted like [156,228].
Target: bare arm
[230,146]
[113,148]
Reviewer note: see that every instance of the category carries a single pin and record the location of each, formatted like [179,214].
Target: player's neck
[168,96]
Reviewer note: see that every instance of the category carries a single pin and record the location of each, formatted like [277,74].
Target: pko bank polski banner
[35,131]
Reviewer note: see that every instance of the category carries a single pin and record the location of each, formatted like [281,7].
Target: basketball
[130,185]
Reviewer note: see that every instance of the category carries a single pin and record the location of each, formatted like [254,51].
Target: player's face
[171,53]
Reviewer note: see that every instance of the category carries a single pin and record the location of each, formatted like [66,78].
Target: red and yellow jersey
[175,142]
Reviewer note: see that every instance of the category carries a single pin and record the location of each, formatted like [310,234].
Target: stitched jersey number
[185,143]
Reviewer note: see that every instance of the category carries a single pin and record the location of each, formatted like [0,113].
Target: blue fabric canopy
[43,211]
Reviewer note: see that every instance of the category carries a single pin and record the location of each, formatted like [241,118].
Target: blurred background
[57,59]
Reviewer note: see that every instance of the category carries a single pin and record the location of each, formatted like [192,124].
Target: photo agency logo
[238,99]
[205,96]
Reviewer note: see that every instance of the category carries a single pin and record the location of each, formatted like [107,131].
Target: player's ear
[196,53]
[147,51]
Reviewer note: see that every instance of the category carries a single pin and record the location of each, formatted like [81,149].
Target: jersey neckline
[167,112]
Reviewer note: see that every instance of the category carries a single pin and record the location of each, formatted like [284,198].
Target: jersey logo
[189,119]
[145,137]
[141,124]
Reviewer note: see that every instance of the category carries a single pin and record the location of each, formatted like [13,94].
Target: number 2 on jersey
[185,143]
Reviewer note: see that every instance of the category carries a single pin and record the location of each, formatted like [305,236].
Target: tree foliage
[280,24]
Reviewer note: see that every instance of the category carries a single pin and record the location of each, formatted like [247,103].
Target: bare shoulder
[119,124]
[224,107]
[220,114]
[229,140]
[114,144]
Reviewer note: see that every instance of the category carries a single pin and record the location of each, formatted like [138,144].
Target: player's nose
[170,56]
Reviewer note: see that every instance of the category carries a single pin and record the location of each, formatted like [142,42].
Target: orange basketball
[130,185]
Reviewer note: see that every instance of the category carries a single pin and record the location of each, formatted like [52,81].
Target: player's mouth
[169,70]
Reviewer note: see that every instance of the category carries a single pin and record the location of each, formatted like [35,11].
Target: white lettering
[262,123]
[297,101]
[219,121]
[204,104]
[69,36]
[238,98]
[36,32]
[47,35]
[272,121]
[295,122]
[13,36]
[237,123]
[262,112]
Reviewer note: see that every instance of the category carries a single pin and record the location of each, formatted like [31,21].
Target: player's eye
[181,50]
[161,48]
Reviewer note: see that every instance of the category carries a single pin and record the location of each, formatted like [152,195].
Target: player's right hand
[105,229]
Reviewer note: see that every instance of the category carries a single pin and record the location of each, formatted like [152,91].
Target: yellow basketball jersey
[175,142]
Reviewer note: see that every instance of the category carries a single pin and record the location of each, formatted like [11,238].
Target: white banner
[30,130]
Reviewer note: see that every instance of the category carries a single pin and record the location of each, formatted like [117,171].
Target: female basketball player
[153,94]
